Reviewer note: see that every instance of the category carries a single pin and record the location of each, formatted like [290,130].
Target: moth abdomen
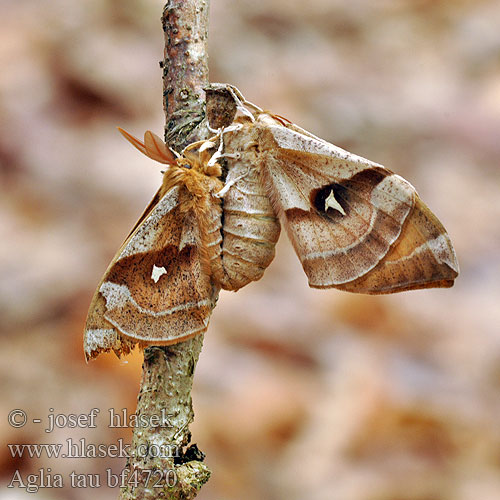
[247,247]
[251,228]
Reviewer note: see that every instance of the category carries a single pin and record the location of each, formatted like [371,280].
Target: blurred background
[299,393]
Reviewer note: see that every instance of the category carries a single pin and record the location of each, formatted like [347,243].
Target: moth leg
[232,182]
[245,112]
[241,102]
[218,154]
[199,144]
[231,128]
[206,145]
[215,131]
[235,156]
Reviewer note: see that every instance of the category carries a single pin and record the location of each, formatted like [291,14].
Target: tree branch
[185,70]
[159,451]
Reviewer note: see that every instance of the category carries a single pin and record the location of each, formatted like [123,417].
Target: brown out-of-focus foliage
[299,393]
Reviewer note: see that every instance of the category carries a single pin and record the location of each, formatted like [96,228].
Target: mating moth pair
[215,220]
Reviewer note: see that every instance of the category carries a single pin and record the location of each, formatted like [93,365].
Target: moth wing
[154,291]
[354,224]
[152,204]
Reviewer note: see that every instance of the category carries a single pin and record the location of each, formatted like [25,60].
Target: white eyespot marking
[331,202]
[157,273]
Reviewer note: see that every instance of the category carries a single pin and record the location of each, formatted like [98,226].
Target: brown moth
[354,224]
[158,289]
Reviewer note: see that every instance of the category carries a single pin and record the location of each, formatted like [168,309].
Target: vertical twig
[185,70]
[158,451]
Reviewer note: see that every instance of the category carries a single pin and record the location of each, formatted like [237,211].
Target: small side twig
[160,466]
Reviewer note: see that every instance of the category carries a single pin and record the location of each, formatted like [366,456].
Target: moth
[158,288]
[214,223]
[354,224]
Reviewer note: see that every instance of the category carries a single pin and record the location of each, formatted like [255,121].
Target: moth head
[199,155]
[207,155]
[191,169]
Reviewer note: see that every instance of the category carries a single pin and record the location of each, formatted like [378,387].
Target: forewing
[154,292]
[346,216]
